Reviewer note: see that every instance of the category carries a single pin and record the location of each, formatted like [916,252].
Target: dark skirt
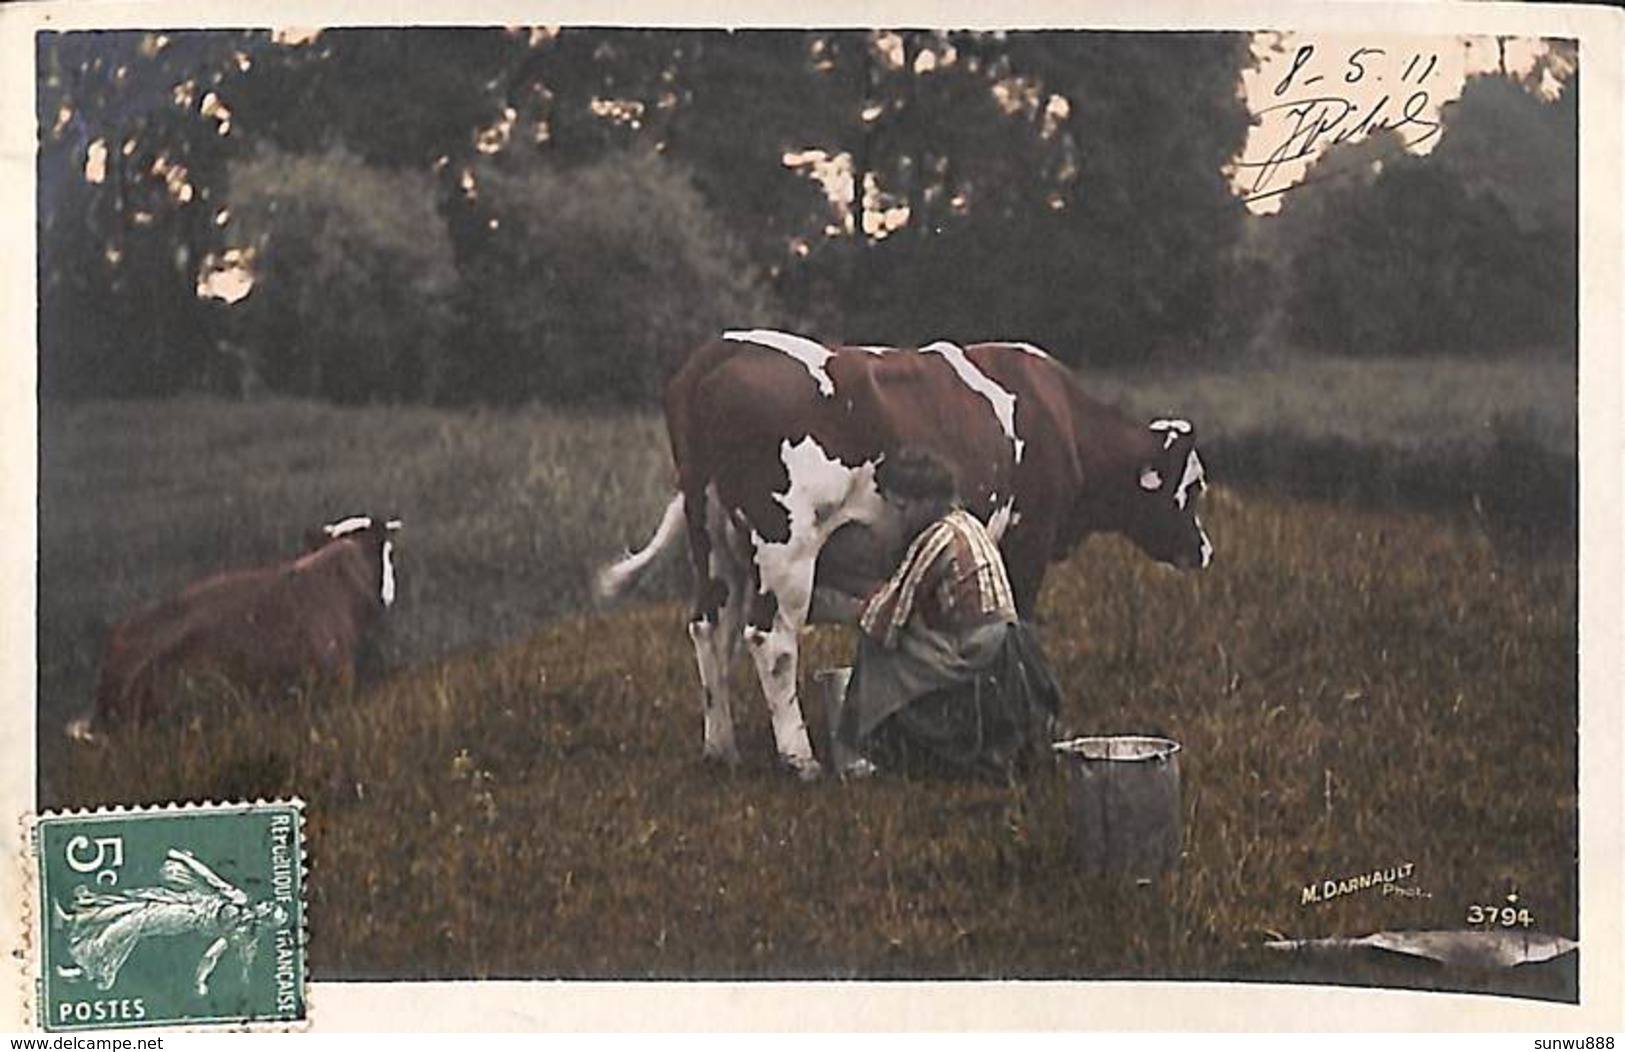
[992,722]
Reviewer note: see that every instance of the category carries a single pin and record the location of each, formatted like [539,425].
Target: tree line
[501,215]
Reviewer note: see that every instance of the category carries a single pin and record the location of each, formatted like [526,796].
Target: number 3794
[1499,916]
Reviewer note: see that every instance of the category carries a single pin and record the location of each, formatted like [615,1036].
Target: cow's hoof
[79,730]
[808,770]
[728,757]
[858,769]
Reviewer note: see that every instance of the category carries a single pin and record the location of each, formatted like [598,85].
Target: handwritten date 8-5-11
[1326,101]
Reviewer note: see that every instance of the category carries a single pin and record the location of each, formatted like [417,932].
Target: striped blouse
[952,575]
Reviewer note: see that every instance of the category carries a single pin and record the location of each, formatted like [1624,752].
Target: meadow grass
[506,514]
[1400,403]
[522,794]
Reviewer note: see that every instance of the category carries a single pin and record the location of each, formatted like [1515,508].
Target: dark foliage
[638,182]
[355,279]
[585,282]
[610,196]
[1471,249]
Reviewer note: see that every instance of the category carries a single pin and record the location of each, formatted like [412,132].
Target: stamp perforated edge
[33,976]
[26,972]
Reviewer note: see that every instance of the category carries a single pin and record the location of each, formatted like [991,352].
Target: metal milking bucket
[835,681]
[1123,804]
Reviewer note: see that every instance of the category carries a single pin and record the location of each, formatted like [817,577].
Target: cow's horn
[347,526]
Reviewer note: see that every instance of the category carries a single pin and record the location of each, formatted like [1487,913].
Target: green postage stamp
[185,916]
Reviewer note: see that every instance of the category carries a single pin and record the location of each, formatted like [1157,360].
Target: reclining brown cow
[302,619]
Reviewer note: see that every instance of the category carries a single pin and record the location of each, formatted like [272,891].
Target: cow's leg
[778,610]
[716,642]
[715,628]
[1025,579]
[1026,558]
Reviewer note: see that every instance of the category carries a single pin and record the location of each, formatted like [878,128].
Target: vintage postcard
[895,517]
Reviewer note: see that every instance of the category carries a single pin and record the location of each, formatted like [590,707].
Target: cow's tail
[614,579]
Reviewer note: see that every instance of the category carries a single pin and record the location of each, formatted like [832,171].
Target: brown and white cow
[276,624]
[776,439]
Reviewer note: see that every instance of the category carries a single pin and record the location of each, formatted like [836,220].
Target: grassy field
[1356,686]
[1369,402]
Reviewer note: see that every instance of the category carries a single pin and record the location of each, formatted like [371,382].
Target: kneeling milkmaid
[947,679]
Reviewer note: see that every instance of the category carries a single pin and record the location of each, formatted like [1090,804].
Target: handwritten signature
[1305,126]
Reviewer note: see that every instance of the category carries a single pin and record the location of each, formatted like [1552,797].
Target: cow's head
[375,537]
[1159,511]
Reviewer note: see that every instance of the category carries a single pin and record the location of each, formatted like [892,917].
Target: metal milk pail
[1123,804]
[835,681]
